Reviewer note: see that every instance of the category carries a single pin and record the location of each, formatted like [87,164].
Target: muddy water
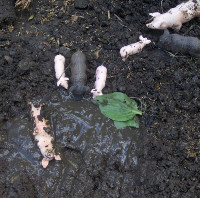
[87,141]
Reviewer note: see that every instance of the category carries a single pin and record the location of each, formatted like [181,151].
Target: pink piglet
[101,74]
[134,48]
[59,66]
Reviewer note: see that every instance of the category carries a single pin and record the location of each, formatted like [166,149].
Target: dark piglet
[78,75]
[180,44]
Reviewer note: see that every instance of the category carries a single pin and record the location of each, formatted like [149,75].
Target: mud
[160,159]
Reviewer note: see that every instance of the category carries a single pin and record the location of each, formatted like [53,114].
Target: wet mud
[160,159]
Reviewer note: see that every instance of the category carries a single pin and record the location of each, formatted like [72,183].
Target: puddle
[87,141]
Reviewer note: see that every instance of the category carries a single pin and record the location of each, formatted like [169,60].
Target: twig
[121,23]
[63,72]
[118,18]
[161,4]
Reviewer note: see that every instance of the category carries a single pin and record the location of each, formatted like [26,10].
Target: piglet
[44,140]
[101,74]
[59,66]
[175,17]
[78,75]
[180,44]
[134,48]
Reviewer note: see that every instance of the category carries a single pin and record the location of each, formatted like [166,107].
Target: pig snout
[49,154]
[78,91]
[158,25]
[96,93]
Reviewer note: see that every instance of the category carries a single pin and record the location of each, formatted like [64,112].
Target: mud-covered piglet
[78,75]
[44,140]
[180,44]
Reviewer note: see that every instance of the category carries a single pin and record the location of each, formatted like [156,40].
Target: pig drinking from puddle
[175,17]
[78,75]
[44,140]
[59,66]
[101,74]
[134,48]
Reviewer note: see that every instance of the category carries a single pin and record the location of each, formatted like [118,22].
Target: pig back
[180,44]
[186,44]
[78,69]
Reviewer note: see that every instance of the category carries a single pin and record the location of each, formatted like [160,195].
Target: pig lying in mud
[101,74]
[175,17]
[78,75]
[59,66]
[180,44]
[134,48]
[44,140]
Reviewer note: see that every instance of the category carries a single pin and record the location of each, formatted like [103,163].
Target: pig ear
[45,163]
[155,14]
[141,38]
[66,78]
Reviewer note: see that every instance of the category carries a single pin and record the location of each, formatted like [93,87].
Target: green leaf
[132,123]
[117,106]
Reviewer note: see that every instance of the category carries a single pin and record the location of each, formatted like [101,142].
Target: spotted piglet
[44,140]
[134,48]
[101,74]
[175,17]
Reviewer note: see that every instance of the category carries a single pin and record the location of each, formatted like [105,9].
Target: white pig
[101,74]
[175,17]
[44,140]
[59,66]
[134,48]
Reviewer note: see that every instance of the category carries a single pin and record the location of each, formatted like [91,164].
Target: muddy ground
[167,86]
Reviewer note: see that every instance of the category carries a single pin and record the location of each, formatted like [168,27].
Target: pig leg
[57,157]
[45,163]
[177,27]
